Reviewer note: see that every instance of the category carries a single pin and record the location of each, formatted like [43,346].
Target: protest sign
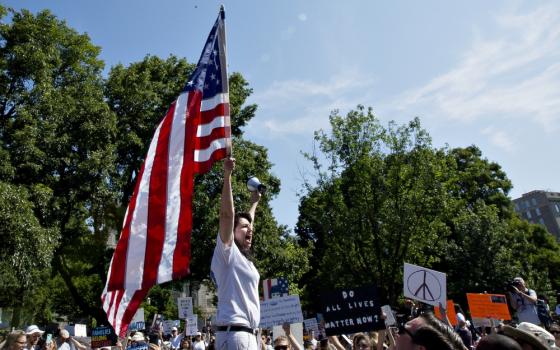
[488,306]
[103,336]
[311,325]
[451,314]
[276,311]
[425,285]
[138,322]
[185,307]
[168,325]
[191,325]
[296,329]
[389,316]
[77,330]
[275,288]
[351,311]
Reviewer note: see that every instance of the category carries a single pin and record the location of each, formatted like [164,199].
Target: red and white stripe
[154,246]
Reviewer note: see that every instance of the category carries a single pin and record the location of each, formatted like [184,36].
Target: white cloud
[302,17]
[302,106]
[500,139]
[512,75]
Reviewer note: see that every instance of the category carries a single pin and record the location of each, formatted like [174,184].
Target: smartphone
[49,338]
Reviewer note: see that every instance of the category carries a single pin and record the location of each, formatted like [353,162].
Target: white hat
[537,336]
[174,329]
[33,329]
[198,333]
[138,336]
[64,333]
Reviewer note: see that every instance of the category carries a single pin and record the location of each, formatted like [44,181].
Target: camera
[512,286]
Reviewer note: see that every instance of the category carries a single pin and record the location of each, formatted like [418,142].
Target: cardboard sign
[77,330]
[191,325]
[451,314]
[275,312]
[352,310]
[488,306]
[103,336]
[185,307]
[425,285]
[389,316]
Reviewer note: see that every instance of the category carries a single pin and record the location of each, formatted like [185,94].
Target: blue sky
[475,72]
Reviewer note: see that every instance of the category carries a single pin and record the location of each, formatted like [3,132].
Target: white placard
[138,322]
[168,325]
[425,285]
[192,325]
[311,325]
[389,316]
[275,312]
[185,307]
[77,330]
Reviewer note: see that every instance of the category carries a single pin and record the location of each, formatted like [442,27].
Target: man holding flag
[235,275]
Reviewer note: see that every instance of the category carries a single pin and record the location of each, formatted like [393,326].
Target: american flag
[154,246]
[275,288]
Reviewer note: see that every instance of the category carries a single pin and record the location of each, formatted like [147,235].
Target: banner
[425,285]
[103,336]
[185,307]
[275,312]
[352,310]
[488,306]
[311,325]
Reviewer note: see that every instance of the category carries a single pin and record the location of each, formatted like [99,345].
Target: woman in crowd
[15,340]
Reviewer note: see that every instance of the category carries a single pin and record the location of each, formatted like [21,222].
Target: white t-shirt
[199,345]
[237,282]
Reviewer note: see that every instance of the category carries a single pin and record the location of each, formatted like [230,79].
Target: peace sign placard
[425,285]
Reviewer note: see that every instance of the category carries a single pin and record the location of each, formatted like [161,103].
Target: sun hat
[138,336]
[64,333]
[537,336]
[33,329]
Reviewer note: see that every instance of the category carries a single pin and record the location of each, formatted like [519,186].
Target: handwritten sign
[488,306]
[168,325]
[103,336]
[311,325]
[389,316]
[185,307]
[191,325]
[275,312]
[425,285]
[351,311]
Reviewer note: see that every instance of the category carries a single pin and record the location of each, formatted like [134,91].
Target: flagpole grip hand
[229,165]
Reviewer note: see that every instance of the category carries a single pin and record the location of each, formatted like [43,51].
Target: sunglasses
[281,347]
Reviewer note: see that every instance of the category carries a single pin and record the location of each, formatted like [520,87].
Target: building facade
[541,207]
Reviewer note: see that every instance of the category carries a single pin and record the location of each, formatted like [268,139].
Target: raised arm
[227,212]
[255,198]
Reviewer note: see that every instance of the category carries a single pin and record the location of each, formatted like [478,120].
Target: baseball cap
[33,329]
[174,329]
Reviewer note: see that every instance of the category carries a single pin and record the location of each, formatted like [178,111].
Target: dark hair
[239,216]
[497,342]
[432,339]
[444,329]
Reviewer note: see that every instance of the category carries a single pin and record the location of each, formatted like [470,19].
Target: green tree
[56,134]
